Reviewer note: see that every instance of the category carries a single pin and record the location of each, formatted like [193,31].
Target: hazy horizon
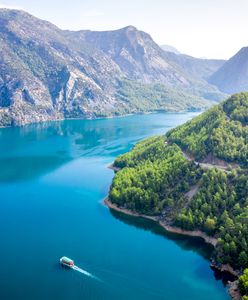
[205,28]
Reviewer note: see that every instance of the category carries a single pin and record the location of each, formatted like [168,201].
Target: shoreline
[104,118]
[171,229]
[232,286]
[113,168]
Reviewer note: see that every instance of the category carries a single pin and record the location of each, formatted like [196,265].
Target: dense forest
[165,177]
[222,131]
[152,97]
[155,177]
[243,284]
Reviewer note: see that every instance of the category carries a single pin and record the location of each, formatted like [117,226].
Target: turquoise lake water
[53,178]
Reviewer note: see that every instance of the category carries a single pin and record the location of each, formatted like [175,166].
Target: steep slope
[169,48]
[141,59]
[197,67]
[232,77]
[136,54]
[43,76]
[220,133]
[162,177]
[47,73]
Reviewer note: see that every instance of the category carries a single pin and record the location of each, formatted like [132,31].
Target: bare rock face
[48,74]
[140,58]
[232,77]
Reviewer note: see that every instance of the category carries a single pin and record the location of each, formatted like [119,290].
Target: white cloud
[92,13]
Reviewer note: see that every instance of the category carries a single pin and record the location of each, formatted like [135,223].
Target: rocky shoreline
[232,286]
[115,169]
[172,229]
[234,290]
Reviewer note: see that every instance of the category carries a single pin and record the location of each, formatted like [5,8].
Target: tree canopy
[158,178]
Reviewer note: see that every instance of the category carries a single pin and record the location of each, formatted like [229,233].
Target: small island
[194,181]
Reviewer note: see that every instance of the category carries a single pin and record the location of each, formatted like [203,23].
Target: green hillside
[222,131]
[173,177]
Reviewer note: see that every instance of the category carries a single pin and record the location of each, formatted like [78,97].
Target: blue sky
[202,28]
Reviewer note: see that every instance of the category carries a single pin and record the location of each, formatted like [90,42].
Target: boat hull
[67,265]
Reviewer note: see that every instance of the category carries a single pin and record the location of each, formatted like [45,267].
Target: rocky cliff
[47,73]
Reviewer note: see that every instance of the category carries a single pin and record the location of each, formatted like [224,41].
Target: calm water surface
[53,178]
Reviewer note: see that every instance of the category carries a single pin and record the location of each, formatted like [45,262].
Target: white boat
[65,261]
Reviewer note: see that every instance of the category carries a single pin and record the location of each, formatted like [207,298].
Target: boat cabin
[67,261]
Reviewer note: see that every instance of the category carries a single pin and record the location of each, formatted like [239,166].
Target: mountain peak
[13,11]
[130,28]
[226,78]
[169,48]
[68,74]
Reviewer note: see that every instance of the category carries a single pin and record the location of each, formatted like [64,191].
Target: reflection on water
[27,152]
[225,277]
[29,167]
[187,243]
[184,242]
[52,179]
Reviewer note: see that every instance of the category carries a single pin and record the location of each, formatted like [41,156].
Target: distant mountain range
[232,77]
[169,48]
[47,73]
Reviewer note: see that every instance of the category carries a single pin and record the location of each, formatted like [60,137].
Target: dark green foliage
[243,284]
[221,131]
[152,97]
[155,177]
[220,208]
[237,108]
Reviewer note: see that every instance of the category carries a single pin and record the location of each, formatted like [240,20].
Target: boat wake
[84,272]
[69,263]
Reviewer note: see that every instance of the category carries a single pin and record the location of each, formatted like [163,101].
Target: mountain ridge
[232,76]
[47,73]
[169,48]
